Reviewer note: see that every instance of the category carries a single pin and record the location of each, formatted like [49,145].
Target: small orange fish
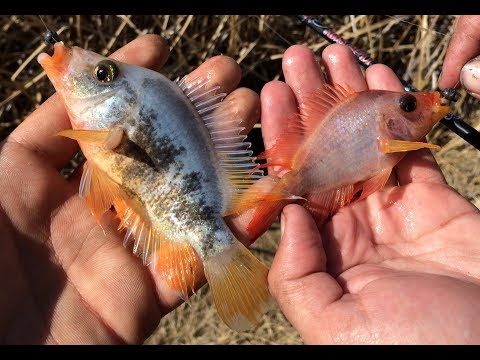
[168,156]
[340,148]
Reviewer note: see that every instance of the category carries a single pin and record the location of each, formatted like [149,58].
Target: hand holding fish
[462,61]
[68,279]
[402,265]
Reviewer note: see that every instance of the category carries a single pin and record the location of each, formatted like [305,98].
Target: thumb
[298,278]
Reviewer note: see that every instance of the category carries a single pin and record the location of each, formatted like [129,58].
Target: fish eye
[106,71]
[407,102]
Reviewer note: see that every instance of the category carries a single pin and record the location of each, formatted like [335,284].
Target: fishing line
[420,27]
[50,37]
[451,121]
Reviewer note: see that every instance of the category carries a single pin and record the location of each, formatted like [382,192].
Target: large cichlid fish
[340,148]
[169,158]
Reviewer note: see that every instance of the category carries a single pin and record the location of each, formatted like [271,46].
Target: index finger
[464,45]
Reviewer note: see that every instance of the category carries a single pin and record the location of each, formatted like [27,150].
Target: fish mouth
[56,66]
[439,110]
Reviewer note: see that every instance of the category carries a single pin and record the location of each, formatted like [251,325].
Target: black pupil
[408,103]
[102,73]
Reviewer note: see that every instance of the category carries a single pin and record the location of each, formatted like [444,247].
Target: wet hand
[402,266]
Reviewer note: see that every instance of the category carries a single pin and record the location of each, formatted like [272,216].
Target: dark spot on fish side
[356,195]
[167,151]
[391,124]
[191,182]
[129,149]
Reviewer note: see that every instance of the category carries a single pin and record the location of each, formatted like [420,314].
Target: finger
[342,67]
[302,71]
[36,131]
[463,46]
[297,278]
[277,103]
[381,77]
[244,106]
[469,77]
[219,70]
[150,51]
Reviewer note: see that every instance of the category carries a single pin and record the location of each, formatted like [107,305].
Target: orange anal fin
[374,184]
[176,262]
[322,205]
[110,138]
[392,146]
[238,281]
[179,266]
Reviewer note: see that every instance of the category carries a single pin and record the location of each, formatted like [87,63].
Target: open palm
[64,278]
[402,266]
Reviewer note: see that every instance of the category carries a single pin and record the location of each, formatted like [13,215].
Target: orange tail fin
[238,281]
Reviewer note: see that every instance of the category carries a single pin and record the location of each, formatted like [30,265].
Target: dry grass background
[414,46]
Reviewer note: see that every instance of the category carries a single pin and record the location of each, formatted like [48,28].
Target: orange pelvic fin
[316,105]
[391,146]
[322,205]
[110,138]
[238,281]
[98,189]
[375,183]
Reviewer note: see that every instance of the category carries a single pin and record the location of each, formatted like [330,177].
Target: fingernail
[282,224]
[470,77]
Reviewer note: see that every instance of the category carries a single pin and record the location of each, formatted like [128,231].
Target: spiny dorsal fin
[175,261]
[219,118]
[312,111]
[316,105]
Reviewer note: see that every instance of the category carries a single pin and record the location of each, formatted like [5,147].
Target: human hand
[64,279]
[463,47]
[401,266]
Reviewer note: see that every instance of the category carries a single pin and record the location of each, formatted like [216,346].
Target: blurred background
[413,46]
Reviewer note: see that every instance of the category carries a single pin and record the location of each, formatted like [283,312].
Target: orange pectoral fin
[111,138]
[391,146]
